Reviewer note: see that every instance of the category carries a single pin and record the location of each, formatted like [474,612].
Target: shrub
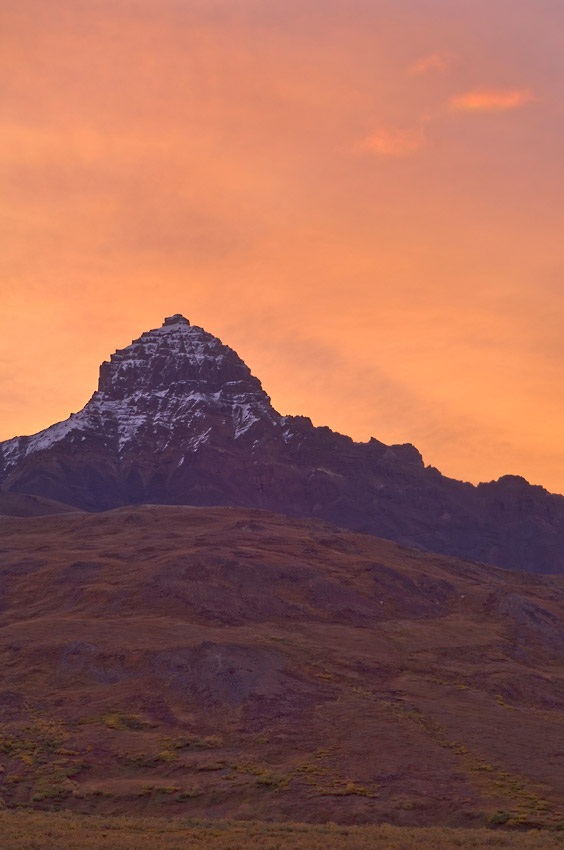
[499,817]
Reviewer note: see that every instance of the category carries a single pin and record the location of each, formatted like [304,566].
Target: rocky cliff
[178,418]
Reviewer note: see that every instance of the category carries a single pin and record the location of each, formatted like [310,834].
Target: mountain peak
[177,319]
[179,418]
[173,385]
[176,360]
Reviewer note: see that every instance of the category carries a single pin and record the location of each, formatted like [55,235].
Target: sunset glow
[364,199]
[434,62]
[491,101]
[394,142]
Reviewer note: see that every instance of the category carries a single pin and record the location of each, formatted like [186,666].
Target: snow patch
[184,406]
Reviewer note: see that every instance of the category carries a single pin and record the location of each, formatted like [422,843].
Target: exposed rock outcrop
[178,418]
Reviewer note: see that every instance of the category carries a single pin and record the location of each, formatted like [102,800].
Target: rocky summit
[178,418]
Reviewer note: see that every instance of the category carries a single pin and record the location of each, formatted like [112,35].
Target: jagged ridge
[178,418]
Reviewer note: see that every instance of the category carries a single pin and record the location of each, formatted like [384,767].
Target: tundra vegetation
[23,830]
[221,663]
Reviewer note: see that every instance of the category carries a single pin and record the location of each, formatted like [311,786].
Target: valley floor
[27,830]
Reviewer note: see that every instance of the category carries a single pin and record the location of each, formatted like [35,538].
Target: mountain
[223,662]
[178,418]
[19,504]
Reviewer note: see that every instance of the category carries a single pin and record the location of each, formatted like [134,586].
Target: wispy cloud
[393,142]
[440,62]
[491,100]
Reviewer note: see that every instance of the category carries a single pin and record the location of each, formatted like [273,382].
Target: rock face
[178,418]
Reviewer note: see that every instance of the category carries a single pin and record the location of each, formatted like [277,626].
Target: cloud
[393,141]
[491,100]
[433,62]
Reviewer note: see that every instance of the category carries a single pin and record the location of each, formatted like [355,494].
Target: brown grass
[221,663]
[25,830]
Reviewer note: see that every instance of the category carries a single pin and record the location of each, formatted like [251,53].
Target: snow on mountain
[179,419]
[170,378]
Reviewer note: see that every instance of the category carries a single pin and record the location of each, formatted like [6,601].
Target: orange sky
[363,197]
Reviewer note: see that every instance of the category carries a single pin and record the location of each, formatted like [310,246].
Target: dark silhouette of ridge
[178,418]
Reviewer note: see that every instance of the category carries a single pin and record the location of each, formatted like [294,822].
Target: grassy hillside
[224,663]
